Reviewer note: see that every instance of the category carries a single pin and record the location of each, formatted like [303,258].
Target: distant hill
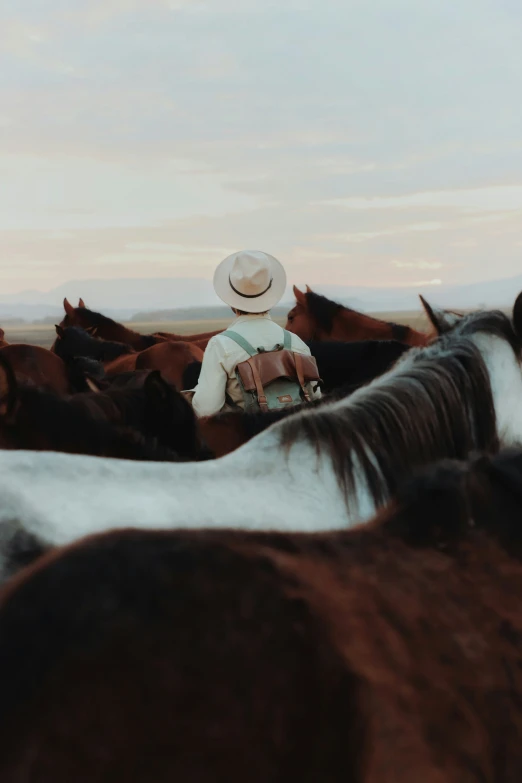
[196,314]
[194,299]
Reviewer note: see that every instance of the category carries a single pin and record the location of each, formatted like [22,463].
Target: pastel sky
[372,142]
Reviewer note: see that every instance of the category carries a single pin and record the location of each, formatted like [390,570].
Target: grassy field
[45,335]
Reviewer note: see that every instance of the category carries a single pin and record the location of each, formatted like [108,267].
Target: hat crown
[250,280]
[251,273]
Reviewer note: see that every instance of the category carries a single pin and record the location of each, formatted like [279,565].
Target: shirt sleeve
[209,397]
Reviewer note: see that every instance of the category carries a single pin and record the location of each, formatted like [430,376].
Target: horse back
[38,366]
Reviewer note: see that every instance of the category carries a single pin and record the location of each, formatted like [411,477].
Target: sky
[362,142]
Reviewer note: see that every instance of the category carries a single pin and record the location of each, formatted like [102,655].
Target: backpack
[274,379]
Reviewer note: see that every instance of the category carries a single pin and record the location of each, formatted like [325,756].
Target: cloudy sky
[362,142]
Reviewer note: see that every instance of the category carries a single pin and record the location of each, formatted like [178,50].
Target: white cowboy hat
[251,281]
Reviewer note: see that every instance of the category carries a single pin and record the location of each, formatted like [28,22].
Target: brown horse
[37,366]
[3,341]
[105,328]
[201,340]
[315,317]
[391,652]
[171,359]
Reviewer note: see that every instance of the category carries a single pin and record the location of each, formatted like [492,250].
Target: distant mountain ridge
[194,299]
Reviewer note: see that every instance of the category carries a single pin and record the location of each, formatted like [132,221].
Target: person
[251,283]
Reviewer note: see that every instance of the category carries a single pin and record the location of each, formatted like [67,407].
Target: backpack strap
[300,375]
[244,344]
[288,341]
[261,396]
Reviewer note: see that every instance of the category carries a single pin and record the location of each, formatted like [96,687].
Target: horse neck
[349,325]
[115,332]
[415,338]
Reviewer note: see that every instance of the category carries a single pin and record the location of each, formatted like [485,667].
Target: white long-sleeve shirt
[222,355]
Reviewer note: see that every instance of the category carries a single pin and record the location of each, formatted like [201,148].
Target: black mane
[324,310]
[437,404]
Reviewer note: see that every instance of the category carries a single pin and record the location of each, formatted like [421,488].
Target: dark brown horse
[315,317]
[156,410]
[37,366]
[391,652]
[38,420]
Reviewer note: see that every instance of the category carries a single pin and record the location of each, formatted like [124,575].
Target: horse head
[441,320]
[170,414]
[300,320]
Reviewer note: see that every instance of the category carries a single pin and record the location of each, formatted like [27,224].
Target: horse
[315,317]
[3,341]
[352,365]
[392,651]
[156,409]
[227,431]
[201,339]
[327,467]
[86,374]
[174,361]
[105,328]
[74,341]
[36,420]
[37,366]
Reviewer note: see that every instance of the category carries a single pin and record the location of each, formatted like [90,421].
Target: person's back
[246,281]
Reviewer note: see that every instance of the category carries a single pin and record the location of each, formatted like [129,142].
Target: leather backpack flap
[271,365]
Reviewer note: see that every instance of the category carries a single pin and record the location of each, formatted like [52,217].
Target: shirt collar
[242,319]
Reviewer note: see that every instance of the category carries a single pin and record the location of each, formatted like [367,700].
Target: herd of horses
[330,592]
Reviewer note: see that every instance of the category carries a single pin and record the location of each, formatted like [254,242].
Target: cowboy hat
[250,280]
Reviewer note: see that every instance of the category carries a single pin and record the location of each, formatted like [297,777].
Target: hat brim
[259,304]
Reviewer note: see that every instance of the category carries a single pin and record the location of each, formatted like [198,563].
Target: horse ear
[69,309]
[81,304]
[517,315]
[8,389]
[309,290]
[60,331]
[299,296]
[442,320]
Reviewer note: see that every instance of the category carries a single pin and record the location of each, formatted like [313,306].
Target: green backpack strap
[288,341]
[244,344]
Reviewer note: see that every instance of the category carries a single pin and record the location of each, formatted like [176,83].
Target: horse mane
[436,403]
[98,319]
[324,310]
